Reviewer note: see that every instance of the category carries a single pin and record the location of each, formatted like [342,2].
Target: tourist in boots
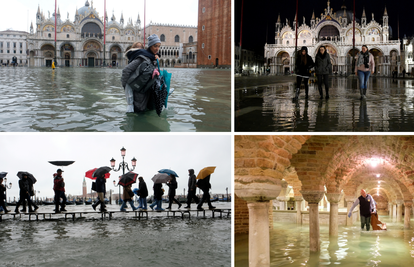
[172,184]
[158,192]
[3,196]
[100,189]
[143,194]
[26,187]
[59,188]
[204,185]
[323,68]
[364,67]
[366,208]
[127,197]
[304,64]
[191,189]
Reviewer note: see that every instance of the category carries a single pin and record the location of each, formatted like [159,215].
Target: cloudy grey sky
[31,152]
[18,14]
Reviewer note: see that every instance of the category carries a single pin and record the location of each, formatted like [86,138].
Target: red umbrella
[89,174]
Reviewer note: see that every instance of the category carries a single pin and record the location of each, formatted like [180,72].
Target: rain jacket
[303,69]
[191,180]
[172,187]
[58,184]
[158,191]
[26,186]
[2,192]
[125,195]
[143,190]
[204,184]
[100,185]
[323,64]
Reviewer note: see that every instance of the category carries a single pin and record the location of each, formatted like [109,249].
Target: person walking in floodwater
[101,189]
[366,208]
[26,190]
[364,67]
[172,184]
[323,68]
[127,197]
[158,192]
[304,63]
[191,189]
[59,188]
[3,196]
[204,185]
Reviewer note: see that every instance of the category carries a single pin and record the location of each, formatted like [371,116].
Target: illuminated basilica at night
[335,31]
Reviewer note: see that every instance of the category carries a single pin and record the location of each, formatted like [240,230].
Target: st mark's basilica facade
[335,31]
[81,42]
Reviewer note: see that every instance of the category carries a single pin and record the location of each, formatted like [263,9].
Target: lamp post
[7,187]
[122,165]
[227,193]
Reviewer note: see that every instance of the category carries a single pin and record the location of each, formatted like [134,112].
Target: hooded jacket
[303,69]
[323,64]
[172,187]
[191,180]
[143,190]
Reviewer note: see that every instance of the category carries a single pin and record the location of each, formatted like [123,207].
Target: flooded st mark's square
[93,100]
[264,104]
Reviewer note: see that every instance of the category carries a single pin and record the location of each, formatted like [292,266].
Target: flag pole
[55,31]
[296,34]
[104,63]
[145,6]
[241,33]
[353,40]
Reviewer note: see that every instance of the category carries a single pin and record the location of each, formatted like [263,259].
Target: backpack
[141,79]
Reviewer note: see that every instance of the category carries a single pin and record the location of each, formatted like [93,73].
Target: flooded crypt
[294,195]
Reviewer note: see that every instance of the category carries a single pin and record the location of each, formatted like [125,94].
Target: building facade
[252,62]
[335,31]
[13,44]
[214,33]
[408,55]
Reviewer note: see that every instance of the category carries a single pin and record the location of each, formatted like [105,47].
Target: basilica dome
[84,11]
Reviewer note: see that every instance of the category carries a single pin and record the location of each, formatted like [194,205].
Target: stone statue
[304,20]
[48,14]
[287,22]
[68,15]
[372,16]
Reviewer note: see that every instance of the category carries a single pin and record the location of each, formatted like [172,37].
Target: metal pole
[353,40]
[104,32]
[241,33]
[55,31]
[145,6]
[296,34]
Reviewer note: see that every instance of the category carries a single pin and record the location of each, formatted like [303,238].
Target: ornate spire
[77,13]
[58,11]
[278,18]
[313,15]
[343,5]
[385,11]
[38,9]
[31,25]
[87,3]
[363,12]
[329,4]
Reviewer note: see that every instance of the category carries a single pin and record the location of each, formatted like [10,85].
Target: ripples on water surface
[289,246]
[92,99]
[389,106]
[123,241]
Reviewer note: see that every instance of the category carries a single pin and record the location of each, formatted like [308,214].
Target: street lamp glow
[378,175]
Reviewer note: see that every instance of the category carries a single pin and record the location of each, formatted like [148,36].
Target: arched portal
[283,60]
[378,58]
[328,33]
[48,53]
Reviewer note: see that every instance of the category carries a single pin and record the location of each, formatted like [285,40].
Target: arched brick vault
[337,162]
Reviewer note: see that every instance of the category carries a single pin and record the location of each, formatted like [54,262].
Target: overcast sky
[31,152]
[18,14]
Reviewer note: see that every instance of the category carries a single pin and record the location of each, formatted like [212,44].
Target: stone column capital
[350,198]
[257,192]
[400,201]
[333,197]
[408,204]
[282,198]
[312,196]
[300,198]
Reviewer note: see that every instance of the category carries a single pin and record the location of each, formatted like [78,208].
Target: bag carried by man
[141,79]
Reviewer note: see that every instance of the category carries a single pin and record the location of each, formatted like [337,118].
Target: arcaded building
[294,177]
[334,30]
[214,33]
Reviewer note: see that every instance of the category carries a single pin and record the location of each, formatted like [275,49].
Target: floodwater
[265,104]
[92,99]
[289,246]
[122,241]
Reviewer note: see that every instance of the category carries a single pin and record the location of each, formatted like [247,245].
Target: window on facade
[209,56]
[8,45]
[204,9]
[21,52]
[129,38]
[113,38]
[21,45]
[304,41]
[8,51]
[190,39]
[14,35]
[67,35]
[202,45]
[162,38]
[287,42]
[49,35]
[14,45]
[1,51]
[1,44]
[177,39]
[203,28]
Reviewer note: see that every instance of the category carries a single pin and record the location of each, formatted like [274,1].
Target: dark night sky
[261,15]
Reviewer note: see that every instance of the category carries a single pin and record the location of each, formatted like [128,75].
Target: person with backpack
[138,76]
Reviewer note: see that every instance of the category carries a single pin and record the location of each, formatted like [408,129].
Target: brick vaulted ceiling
[337,163]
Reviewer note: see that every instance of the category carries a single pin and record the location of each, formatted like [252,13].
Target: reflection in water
[92,99]
[289,246]
[389,107]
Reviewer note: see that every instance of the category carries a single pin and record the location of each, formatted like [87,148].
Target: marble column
[313,198]
[299,200]
[333,199]
[394,211]
[349,202]
[407,214]
[399,209]
[258,196]
[389,210]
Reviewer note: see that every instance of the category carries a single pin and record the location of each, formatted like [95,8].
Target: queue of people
[364,67]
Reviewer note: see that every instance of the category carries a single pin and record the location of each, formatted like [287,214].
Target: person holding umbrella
[158,192]
[143,194]
[191,189]
[3,196]
[127,197]
[204,185]
[59,188]
[26,190]
[172,184]
[100,189]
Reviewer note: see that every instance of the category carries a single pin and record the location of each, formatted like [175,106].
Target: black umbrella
[29,175]
[101,171]
[3,174]
[62,162]
[128,178]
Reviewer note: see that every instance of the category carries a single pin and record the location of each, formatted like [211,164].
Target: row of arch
[176,38]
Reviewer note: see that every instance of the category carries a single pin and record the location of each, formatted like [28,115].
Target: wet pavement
[92,99]
[264,104]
